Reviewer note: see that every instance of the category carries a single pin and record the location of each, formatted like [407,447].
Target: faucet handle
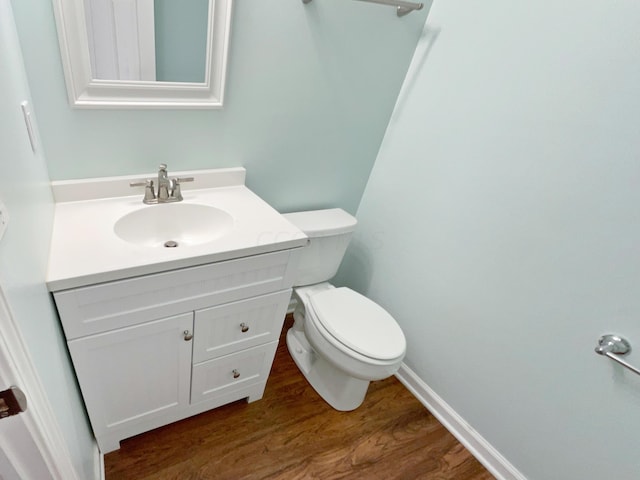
[149,194]
[176,193]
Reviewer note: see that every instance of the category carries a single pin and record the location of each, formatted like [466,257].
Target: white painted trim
[482,450]
[109,187]
[101,462]
[87,92]
[40,421]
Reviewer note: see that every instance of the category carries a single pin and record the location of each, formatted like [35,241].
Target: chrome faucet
[168,188]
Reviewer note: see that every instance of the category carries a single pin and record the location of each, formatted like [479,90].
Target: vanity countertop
[85,250]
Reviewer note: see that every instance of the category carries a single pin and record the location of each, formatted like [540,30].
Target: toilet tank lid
[322,223]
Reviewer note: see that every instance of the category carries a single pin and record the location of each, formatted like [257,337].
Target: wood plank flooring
[293,434]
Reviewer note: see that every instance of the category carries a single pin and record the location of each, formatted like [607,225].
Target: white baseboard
[482,450]
[100,462]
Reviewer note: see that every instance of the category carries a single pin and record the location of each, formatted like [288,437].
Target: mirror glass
[151,40]
[144,53]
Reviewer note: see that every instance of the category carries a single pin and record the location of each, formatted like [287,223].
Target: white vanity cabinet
[154,349]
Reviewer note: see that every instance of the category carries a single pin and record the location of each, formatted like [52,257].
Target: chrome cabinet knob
[244,327]
[236,373]
[187,335]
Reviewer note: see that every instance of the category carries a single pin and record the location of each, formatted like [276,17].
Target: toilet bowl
[340,340]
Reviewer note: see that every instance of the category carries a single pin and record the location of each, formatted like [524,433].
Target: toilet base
[343,392]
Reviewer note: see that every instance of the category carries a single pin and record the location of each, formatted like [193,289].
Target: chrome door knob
[244,327]
[236,373]
[187,335]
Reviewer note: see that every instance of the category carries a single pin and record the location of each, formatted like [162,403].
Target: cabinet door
[132,377]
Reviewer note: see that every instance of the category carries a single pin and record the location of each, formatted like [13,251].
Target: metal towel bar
[613,346]
[402,7]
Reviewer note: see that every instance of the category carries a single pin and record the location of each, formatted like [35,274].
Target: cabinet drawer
[231,372]
[122,303]
[235,326]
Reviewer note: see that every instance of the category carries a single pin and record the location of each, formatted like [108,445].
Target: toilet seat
[352,322]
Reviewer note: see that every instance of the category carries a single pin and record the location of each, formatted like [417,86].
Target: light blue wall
[309,94]
[24,249]
[181,40]
[500,226]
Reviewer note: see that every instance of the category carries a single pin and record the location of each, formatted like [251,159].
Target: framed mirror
[144,53]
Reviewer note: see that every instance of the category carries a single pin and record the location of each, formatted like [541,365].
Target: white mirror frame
[86,92]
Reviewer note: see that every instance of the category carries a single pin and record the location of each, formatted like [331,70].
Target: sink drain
[170,244]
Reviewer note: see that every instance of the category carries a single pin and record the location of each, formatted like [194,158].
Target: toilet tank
[329,232]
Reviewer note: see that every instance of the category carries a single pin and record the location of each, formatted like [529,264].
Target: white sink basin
[173,225]
[120,237]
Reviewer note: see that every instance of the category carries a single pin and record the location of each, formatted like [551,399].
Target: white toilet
[340,339]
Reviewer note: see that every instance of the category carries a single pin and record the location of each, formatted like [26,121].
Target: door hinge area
[12,402]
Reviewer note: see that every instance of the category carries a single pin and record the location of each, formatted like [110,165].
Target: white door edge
[39,418]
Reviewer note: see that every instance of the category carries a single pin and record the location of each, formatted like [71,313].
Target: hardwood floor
[292,434]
